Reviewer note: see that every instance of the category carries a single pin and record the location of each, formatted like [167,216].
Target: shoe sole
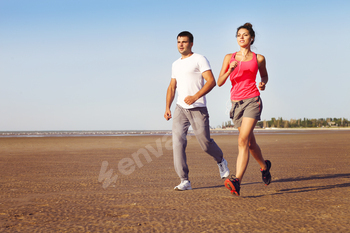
[177,189]
[231,187]
[225,177]
[269,180]
[266,184]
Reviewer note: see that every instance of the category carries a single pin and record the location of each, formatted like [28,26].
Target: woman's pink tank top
[243,79]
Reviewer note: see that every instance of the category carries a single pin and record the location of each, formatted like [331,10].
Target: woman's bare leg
[256,152]
[245,133]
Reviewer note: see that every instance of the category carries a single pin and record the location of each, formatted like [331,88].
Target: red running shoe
[233,185]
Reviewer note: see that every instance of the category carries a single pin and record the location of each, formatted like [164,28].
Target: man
[188,75]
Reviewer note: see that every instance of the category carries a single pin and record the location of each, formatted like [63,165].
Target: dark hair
[249,27]
[187,34]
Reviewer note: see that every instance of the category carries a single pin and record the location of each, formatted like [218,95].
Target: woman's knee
[242,141]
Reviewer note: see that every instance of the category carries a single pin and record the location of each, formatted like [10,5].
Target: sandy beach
[58,184]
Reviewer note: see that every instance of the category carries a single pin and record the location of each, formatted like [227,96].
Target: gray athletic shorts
[251,108]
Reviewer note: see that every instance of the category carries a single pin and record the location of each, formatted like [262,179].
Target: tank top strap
[255,56]
[233,57]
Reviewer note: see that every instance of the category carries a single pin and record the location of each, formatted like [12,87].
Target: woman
[242,68]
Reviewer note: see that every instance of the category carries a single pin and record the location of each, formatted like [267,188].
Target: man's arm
[210,84]
[170,94]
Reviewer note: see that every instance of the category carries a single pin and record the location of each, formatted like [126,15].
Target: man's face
[184,45]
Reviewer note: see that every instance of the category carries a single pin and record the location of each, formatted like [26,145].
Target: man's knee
[179,136]
[205,147]
[179,143]
[206,144]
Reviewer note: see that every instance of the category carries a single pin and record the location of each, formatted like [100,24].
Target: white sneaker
[224,171]
[184,185]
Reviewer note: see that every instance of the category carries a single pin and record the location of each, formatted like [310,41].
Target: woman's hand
[262,86]
[226,69]
[263,72]
[232,66]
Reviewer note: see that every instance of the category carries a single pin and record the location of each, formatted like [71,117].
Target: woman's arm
[226,69]
[263,72]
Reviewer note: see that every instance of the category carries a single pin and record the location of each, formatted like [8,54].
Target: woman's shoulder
[229,55]
[260,57]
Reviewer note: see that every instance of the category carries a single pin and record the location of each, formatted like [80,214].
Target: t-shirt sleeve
[204,64]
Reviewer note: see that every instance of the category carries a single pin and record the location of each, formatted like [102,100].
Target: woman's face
[243,37]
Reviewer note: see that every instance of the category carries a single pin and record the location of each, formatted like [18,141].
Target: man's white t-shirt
[189,79]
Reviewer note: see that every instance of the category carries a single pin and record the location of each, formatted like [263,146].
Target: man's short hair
[187,34]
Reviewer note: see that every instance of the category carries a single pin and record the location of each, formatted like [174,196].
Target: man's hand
[190,99]
[169,98]
[167,114]
[262,86]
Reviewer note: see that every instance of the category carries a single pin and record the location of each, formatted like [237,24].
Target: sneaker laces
[267,171]
[233,177]
[221,167]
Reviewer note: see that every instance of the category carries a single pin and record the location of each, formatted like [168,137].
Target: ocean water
[82,133]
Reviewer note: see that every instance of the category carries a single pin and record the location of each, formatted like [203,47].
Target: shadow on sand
[316,177]
[220,186]
[309,188]
[314,188]
[299,189]
[210,187]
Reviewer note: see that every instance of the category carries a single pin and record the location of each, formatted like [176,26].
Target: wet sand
[52,185]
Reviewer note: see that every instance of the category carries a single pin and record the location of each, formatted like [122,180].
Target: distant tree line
[297,123]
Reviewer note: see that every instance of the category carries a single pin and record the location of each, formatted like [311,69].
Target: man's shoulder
[177,60]
[200,57]
[196,55]
[202,61]
[195,58]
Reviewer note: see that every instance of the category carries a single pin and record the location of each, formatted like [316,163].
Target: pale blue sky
[106,65]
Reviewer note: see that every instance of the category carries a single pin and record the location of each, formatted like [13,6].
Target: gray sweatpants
[199,119]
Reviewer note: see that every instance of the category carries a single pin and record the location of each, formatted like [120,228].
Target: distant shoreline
[310,128]
[118,133]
